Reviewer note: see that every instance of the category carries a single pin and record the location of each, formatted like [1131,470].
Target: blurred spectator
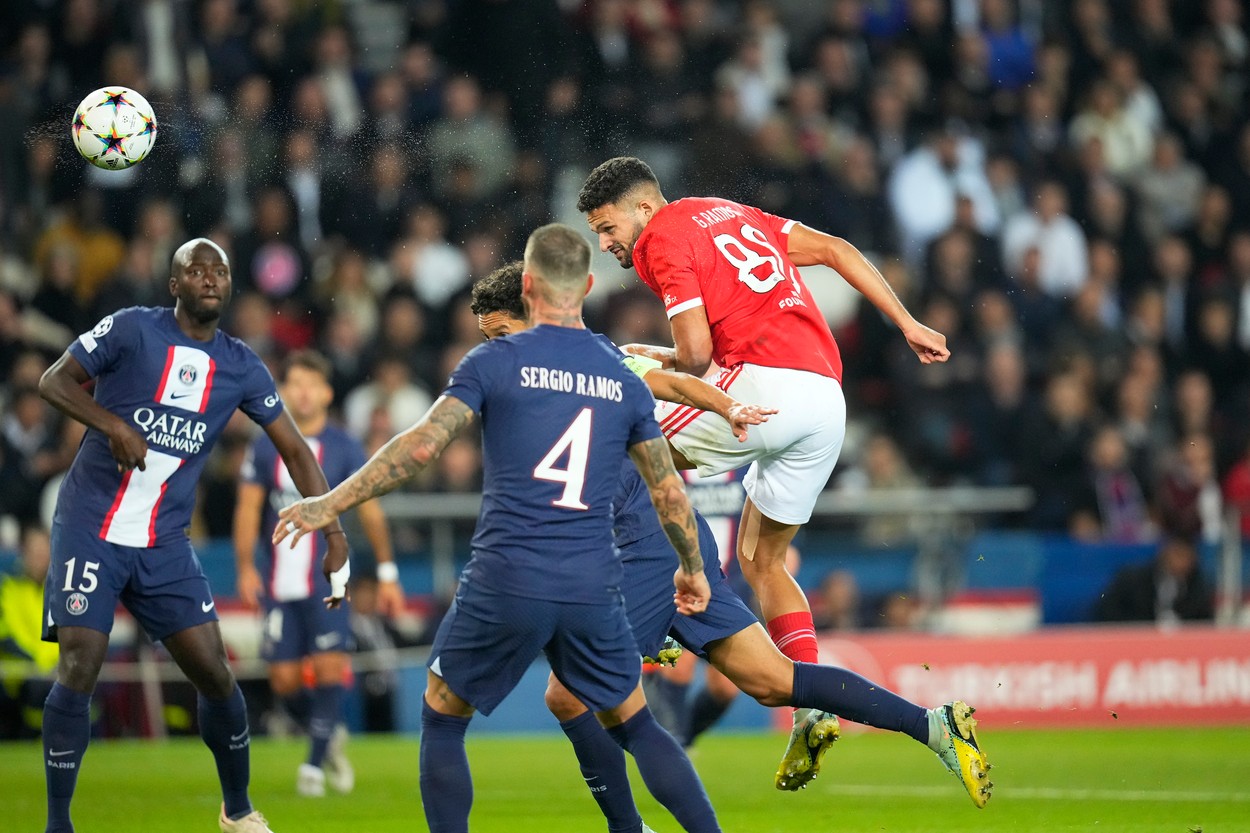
[1126,141]
[1009,48]
[1188,499]
[1168,189]
[1113,501]
[425,260]
[348,289]
[1207,237]
[1063,265]
[855,206]
[882,466]
[927,182]
[222,44]
[757,79]
[1054,457]
[997,414]
[1236,490]
[391,402]
[21,618]
[1168,590]
[835,606]
[341,83]
[468,134]
[97,250]
[30,453]
[372,211]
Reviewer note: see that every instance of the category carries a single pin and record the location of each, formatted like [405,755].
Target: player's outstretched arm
[808,247]
[668,495]
[62,386]
[392,465]
[684,389]
[373,522]
[249,505]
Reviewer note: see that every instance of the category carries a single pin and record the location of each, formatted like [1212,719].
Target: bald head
[188,253]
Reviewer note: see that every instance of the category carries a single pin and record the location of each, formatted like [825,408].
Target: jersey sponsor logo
[76,604]
[564,381]
[207,606]
[272,399]
[171,431]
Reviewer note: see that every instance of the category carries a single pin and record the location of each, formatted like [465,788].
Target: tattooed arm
[668,495]
[393,464]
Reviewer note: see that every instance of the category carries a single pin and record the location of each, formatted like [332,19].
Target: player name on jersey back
[567,381]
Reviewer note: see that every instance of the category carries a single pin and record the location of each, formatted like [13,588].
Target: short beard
[203,316]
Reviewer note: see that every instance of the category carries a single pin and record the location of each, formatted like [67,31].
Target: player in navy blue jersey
[297,626]
[559,412]
[166,383]
[727,634]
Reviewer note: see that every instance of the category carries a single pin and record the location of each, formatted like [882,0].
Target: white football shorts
[791,456]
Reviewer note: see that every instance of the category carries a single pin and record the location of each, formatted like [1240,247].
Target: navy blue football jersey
[179,394]
[559,411]
[293,570]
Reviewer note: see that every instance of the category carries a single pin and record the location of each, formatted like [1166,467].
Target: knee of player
[561,702]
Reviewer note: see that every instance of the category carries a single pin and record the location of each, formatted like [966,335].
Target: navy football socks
[849,695]
[299,707]
[603,768]
[326,713]
[66,732]
[446,785]
[223,726]
[704,712]
[667,772]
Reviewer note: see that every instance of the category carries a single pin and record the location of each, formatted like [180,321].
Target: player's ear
[590,282]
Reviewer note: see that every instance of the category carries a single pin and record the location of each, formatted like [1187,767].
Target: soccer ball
[114,128]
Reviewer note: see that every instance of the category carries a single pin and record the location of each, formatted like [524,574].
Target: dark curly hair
[500,291]
[612,180]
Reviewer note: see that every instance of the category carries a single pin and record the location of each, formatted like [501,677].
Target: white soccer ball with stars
[114,128]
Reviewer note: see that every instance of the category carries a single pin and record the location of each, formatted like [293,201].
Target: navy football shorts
[163,587]
[303,627]
[488,640]
[648,591]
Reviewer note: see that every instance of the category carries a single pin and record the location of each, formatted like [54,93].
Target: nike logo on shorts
[52,754]
[207,606]
[240,736]
[325,641]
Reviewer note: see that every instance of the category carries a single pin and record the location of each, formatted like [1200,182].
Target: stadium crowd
[1062,188]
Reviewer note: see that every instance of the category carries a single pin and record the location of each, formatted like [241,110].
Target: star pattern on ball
[112,141]
[149,126]
[114,98]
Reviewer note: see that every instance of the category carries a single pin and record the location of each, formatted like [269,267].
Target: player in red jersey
[727,274]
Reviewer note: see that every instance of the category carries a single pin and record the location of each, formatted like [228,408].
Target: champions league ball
[114,128]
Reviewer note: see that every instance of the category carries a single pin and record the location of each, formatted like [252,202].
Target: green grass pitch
[1107,781]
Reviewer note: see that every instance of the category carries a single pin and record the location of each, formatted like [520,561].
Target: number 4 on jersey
[575,440]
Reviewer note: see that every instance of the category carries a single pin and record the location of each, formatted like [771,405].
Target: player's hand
[929,344]
[740,416]
[335,560]
[693,592]
[250,587]
[302,517]
[127,447]
[390,598]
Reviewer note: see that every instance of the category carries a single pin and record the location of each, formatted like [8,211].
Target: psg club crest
[187,374]
[76,604]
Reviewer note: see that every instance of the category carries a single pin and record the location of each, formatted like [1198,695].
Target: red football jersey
[731,259]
